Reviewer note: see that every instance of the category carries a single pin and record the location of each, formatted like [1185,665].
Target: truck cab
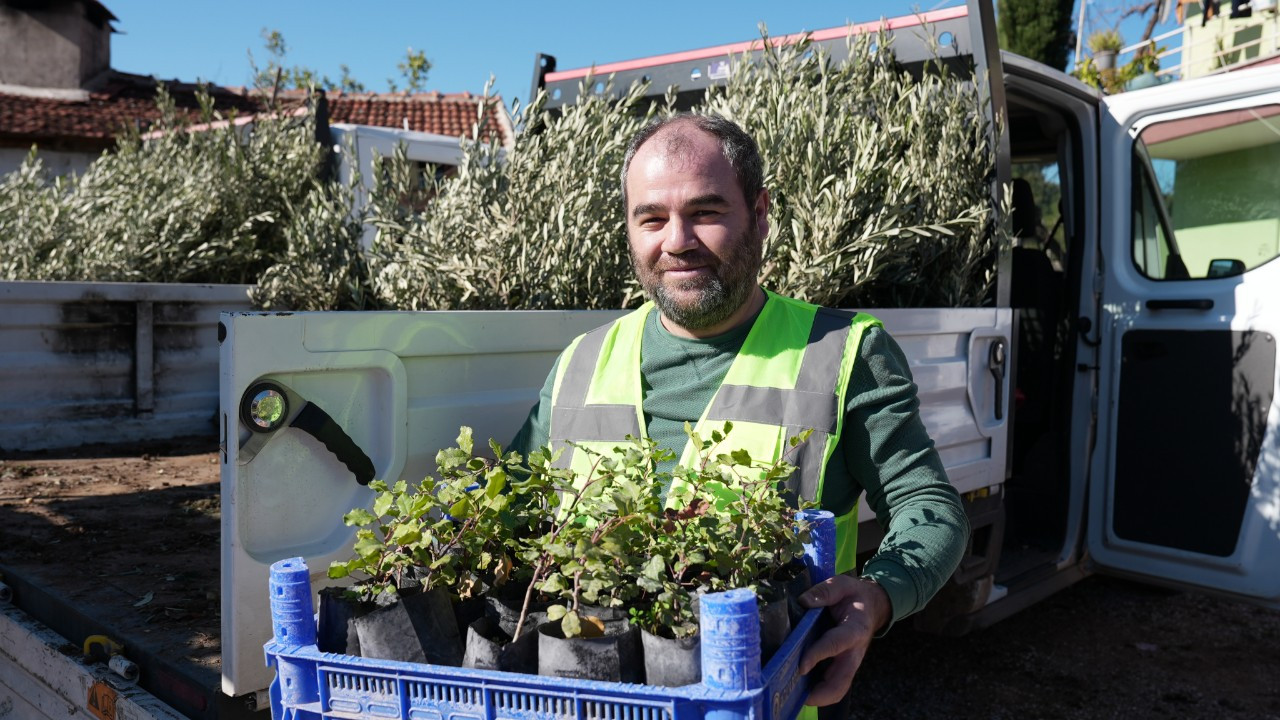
[1144,364]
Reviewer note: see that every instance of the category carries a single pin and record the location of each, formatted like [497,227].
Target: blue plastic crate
[313,684]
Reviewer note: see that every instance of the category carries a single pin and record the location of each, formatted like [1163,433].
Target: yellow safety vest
[791,375]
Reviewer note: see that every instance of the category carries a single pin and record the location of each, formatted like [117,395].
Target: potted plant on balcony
[1145,65]
[1105,45]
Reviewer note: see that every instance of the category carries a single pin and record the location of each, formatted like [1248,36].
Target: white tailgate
[400,385]
[948,351]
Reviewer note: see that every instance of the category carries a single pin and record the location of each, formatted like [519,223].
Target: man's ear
[760,212]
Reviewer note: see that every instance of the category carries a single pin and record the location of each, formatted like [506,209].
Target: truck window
[1218,178]
[1039,226]
[1152,248]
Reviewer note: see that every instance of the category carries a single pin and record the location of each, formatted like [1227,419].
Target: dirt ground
[1103,648]
[136,530]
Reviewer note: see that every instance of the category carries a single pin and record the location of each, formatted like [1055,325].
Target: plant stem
[544,562]
[528,595]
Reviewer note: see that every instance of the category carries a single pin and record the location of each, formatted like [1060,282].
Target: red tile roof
[92,120]
[454,114]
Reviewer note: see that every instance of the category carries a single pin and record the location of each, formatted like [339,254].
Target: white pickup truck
[1113,412]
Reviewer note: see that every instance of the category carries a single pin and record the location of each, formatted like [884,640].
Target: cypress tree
[1037,29]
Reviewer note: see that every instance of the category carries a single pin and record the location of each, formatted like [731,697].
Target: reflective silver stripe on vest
[572,418]
[812,405]
[582,367]
[595,422]
[774,406]
[820,369]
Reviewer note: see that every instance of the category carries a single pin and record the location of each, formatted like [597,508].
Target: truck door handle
[268,406]
[1181,304]
[995,363]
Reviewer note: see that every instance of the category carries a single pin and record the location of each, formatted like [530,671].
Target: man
[720,347]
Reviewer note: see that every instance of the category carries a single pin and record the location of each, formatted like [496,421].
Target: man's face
[695,244]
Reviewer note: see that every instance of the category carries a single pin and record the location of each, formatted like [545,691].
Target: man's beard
[714,298]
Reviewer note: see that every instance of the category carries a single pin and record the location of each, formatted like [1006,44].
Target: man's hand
[860,608]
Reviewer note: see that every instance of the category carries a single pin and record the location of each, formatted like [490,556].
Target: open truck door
[1185,484]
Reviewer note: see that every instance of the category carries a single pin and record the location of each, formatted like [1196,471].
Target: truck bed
[123,541]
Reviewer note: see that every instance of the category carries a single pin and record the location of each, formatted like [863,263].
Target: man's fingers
[829,592]
[858,607]
[836,680]
[831,643]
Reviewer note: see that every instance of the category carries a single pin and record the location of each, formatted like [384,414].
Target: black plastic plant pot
[467,611]
[613,657]
[413,626]
[795,581]
[671,662]
[505,611]
[335,628]
[490,648]
[775,624]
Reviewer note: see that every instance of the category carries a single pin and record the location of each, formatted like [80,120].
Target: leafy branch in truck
[881,181]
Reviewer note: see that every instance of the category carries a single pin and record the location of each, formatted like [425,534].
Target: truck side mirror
[1225,267]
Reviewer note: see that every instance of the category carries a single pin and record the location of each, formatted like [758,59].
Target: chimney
[59,44]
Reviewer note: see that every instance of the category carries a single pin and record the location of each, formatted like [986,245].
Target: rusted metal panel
[109,362]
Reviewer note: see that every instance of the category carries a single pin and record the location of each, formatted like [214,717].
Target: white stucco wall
[56,162]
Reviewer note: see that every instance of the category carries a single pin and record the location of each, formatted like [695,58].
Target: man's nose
[681,236]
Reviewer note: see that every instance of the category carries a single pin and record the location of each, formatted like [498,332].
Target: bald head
[676,133]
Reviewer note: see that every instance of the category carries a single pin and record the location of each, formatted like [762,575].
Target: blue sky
[465,41]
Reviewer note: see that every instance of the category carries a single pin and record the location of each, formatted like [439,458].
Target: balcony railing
[1219,45]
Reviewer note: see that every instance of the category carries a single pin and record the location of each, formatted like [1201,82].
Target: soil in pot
[614,656]
[490,648]
[671,662]
[413,627]
[335,629]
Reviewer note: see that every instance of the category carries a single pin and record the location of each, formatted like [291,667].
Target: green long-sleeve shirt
[884,449]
